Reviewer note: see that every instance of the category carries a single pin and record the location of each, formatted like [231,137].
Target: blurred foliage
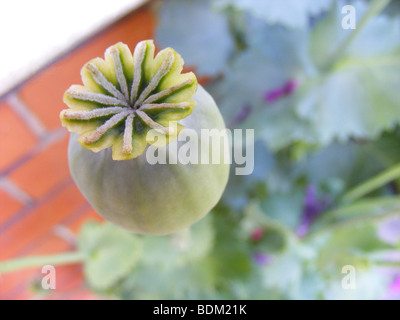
[326,112]
[291,14]
[190,17]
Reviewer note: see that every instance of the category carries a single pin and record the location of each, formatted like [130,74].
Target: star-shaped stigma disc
[125,96]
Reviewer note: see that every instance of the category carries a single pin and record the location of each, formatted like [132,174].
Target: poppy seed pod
[128,104]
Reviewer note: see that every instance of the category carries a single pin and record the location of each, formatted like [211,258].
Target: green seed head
[124,96]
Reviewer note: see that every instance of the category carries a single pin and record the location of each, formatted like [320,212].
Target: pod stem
[39,261]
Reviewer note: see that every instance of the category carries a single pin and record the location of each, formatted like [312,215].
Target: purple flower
[395,286]
[393,292]
[242,115]
[290,87]
[278,93]
[262,259]
[272,96]
[312,208]
[389,231]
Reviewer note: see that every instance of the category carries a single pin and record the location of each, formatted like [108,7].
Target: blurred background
[319,218]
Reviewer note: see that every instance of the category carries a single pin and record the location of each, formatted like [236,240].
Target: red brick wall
[40,207]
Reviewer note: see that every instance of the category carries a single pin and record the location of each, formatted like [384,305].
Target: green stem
[363,206]
[374,183]
[384,159]
[353,222]
[39,261]
[389,264]
[376,7]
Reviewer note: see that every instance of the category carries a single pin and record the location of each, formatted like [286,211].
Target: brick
[69,277]
[90,215]
[77,294]
[8,206]
[43,171]
[70,280]
[18,283]
[25,295]
[40,220]
[14,283]
[43,94]
[9,282]
[16,139]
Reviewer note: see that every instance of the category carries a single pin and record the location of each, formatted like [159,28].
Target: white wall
[33,32]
